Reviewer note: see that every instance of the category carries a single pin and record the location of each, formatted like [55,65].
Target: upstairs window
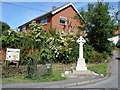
[63,20]
[44,21]
[24,29]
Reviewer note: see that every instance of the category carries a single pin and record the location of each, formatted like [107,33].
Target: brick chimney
[53,7]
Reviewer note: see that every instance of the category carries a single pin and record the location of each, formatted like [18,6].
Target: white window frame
[63,18]
[43,23]
[24,29]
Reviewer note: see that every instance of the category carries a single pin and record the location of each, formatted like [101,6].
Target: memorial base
[80,74]
[81,66]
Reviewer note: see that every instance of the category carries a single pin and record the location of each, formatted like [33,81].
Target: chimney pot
[54,7]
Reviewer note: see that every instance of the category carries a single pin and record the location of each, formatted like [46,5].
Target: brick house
[61,18]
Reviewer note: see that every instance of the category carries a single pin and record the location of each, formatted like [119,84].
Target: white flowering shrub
[63,46]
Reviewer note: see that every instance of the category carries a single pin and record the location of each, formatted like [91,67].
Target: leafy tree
[10,39]
[99,25]
[117,16]
[4,26]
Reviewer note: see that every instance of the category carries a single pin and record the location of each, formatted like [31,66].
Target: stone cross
[81,41]
[81,61]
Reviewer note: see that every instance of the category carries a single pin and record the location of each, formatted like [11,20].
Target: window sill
[44,24]
[62,24]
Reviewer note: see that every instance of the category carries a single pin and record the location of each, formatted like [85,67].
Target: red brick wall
[45,27]
[27,29]
[3,55]
[68,13]
[48,25]
[117,31]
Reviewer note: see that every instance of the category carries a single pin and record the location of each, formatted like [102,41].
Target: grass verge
[101,69]
[54,77]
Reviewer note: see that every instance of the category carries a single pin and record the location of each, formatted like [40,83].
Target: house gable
[69,14]
[65,6]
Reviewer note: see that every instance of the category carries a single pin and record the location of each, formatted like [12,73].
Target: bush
[97,58]
[88,53]
[45,56]
[62,46]
[105,55]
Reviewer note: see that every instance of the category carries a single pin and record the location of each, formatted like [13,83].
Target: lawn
[101,69]
[54,77]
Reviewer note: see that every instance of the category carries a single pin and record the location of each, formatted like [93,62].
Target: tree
[117,17]
[4,26]
[11,39]
[99,25]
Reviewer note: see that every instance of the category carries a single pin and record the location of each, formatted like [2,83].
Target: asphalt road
[111,82]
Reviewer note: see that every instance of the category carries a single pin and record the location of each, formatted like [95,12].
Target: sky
[18,13]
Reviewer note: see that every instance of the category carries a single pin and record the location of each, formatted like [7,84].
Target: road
[112,81]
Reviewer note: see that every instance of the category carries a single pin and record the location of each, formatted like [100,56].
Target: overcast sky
[18,13]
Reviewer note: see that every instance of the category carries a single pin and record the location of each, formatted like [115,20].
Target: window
[18,29]
[24,29]
[63,20]
[44,21]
